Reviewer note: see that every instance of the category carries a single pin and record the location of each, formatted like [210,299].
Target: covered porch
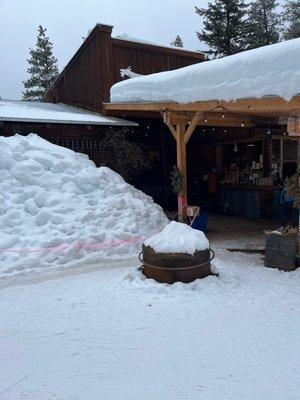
[268,126]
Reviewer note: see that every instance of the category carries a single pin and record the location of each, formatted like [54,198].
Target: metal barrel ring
[177,268]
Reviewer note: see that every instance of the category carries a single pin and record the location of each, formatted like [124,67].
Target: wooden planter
[176,267]
[281,251]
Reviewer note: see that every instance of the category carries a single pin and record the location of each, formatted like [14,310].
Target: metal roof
[39,112]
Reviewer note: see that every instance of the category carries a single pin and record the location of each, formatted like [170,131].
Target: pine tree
[223,26]
[263,24]
[177,42]
[291,17]
[42,68]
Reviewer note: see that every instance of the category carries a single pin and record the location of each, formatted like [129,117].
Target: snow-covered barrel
[178,253]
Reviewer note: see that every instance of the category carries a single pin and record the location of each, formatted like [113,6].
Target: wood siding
[87,79]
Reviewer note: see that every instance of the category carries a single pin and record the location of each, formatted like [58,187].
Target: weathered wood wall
[88,77]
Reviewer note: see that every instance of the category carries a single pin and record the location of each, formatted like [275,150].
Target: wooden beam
[181,164]
[192,127]
[267,106]
[167,120]
[228,120]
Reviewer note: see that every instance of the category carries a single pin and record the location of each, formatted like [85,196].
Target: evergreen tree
[42,68]
[177,42]
[223,26]
[291,17]
[263,24]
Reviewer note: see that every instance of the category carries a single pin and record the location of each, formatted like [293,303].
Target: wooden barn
[84,85]
[87,78]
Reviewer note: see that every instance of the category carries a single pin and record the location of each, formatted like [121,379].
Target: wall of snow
[51,196]
[268,71]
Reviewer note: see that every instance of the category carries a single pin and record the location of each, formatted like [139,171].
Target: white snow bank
[51,196]
[268,71]
[178,238]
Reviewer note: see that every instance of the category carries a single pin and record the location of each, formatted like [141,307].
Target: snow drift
[268,71]
[57,207]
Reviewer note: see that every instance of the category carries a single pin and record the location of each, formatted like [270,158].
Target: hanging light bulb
[205,119]
[243,124]
[223,115]
[235,148]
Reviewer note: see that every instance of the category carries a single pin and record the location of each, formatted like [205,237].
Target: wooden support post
[182,136]
[181,164]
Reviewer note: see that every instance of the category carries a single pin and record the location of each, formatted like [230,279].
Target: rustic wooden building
[84,85]
[250,135]
[87,78]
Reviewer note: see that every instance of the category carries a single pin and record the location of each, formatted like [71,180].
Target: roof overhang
[267,106]
[49,113]
[112,122]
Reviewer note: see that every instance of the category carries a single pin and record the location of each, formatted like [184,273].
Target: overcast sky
[67,21]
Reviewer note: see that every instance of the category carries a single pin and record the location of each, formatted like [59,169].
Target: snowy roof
[32,111]
[267,71]
[126,37]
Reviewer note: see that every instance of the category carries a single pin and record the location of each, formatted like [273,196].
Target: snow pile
[57,207]
[178,238]
[267,71]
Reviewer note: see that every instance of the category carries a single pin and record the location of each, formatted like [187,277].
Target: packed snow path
[111,335]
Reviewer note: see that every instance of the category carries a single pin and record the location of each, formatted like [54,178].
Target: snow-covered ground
[111,335]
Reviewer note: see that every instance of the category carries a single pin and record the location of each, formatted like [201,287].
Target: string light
[223,115]
[243,124]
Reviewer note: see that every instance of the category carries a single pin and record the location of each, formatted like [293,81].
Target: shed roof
[33,111]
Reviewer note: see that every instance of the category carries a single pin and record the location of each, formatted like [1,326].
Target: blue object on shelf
[200,222]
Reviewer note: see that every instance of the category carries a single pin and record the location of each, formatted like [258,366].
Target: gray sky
[67,21]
